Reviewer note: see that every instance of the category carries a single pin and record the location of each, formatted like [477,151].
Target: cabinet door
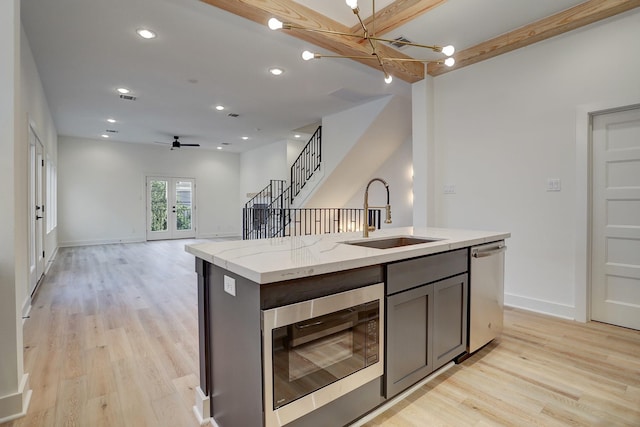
[409,338]
[449,319]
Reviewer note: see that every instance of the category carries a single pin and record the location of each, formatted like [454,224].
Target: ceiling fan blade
[189,145]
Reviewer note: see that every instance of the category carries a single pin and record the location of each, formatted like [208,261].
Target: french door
[615,262]
[170,208]
[36,211]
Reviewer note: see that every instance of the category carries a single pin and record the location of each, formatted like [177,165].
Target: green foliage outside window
[158,205]
[183,214]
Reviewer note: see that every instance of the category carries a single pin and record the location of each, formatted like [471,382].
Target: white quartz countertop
[278,259]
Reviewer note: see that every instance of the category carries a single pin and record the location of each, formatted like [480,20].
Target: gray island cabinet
[316,330]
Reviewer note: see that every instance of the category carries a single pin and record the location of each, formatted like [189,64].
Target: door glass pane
[159,212]
[183,205]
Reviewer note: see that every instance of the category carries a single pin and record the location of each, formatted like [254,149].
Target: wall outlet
[449,189]
[230,285]
[553,184]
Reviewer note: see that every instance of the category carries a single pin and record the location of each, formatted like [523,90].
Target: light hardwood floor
[112,341]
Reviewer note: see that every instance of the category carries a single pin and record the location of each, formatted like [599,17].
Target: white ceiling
[203,56]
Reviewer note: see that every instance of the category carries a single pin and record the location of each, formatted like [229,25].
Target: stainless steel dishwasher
[486,294]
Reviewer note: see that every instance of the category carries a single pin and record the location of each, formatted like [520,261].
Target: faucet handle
[388,209]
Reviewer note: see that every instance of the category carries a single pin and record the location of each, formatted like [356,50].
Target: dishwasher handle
[485,253]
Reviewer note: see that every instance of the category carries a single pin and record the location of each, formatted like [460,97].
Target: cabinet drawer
[419,271]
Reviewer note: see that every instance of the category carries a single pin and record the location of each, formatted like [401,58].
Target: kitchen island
[241,284]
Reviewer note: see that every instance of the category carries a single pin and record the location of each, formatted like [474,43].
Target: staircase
[269,213]
[307,163]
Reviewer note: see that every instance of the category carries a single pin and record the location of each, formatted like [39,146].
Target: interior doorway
[170,208]
[615,230]
[36,211]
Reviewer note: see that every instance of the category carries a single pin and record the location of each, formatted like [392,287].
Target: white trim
[394,401]
[26,309]
[18,403]
[202,409]
[49,262]
[540,306]
[582,250]
[232,234]
[73,243]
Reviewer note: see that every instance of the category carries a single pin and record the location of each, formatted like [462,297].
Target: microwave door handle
[347,316]
[308,325]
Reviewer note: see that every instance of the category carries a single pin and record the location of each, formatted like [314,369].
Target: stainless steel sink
[391,242]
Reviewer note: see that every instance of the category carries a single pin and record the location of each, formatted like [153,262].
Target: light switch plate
[230,285]
[449,189]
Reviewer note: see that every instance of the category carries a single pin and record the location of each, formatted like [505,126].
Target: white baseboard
[15,405]
[26,309]
[540,306]
[50,261]
[73,243]
[202,407]
[230,235]
[394,401]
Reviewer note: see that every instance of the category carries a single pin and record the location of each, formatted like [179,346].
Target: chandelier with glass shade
[371,39]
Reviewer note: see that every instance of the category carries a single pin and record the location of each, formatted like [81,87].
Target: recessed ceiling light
[104,135]
[111,120]
[276,71]
[245,137]
[145,33]
[296,136]
[219,148]
[219,107]
[123,90]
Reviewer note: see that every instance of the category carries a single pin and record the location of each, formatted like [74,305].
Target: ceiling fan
[177,144]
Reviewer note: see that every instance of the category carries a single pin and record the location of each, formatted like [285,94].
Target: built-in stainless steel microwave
[316,351]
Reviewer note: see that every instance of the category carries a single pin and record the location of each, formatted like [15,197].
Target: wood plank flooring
[112,341]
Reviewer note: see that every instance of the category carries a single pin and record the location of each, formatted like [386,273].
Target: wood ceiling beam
[261,11]
[583,14]
[397,14]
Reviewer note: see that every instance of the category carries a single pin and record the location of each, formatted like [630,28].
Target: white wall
[506,125]
[397,172]
[294,148]
[14,388]
[357,142]
[260,165]
[35,111]
[101,189]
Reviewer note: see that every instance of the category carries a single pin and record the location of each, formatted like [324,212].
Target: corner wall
[504,126]
[262,164]
[14,383]
[102,197]
[357,142]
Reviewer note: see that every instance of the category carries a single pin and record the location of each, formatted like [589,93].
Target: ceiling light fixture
[123,90]
[366,37]
[111,120]
[104,135]
[146,34]
[276,71]
[245,138]
[219,107]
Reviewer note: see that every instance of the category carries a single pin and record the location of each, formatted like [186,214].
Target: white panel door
[615,264]
[36,210]
[170,208]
